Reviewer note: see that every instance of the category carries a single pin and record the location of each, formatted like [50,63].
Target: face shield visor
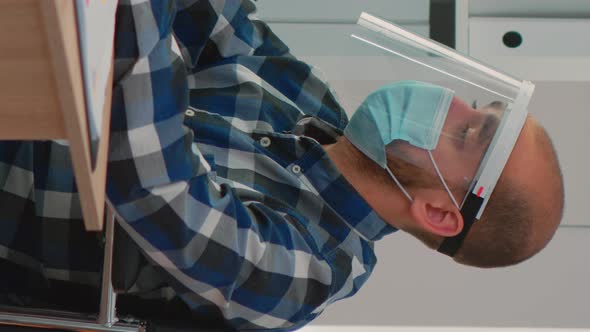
[430,116]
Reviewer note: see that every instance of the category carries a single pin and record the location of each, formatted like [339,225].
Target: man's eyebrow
[489,127]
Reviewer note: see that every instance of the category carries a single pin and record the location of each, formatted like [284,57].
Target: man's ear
[434,212]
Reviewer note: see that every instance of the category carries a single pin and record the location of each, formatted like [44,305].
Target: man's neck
[382,196]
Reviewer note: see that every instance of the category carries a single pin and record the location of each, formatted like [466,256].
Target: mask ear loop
[439,176]
[399,184]
[443,180]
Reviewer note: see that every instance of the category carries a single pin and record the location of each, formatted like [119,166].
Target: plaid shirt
[215,171]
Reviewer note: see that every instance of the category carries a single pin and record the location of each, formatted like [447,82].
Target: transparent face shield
[428,115]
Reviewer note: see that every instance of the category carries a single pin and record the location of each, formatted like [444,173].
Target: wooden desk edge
[61,28]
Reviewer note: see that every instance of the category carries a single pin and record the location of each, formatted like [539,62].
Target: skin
[464,139]
[431,210]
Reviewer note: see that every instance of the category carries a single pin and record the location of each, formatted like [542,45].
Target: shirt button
[296,169]
[265,142]
[189,112]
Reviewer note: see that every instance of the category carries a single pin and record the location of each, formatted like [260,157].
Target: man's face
[465,138]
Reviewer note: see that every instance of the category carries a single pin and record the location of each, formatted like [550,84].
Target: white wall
[414,286]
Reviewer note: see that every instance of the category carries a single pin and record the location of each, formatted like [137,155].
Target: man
[229,171]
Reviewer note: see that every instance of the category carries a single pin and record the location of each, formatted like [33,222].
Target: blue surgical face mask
[410,111]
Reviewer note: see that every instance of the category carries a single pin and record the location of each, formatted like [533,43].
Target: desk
[42,91]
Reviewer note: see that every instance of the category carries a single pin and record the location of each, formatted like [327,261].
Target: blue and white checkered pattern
[208,172]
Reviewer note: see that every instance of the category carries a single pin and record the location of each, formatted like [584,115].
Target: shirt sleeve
[259,265]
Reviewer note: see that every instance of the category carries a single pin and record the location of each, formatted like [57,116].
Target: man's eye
[462,137]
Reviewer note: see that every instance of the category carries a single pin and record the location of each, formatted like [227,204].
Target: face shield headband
[496,156]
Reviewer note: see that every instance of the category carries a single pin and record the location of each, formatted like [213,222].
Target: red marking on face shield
[480,191]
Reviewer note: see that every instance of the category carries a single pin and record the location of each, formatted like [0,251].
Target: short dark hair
[507,232]
[502,236]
